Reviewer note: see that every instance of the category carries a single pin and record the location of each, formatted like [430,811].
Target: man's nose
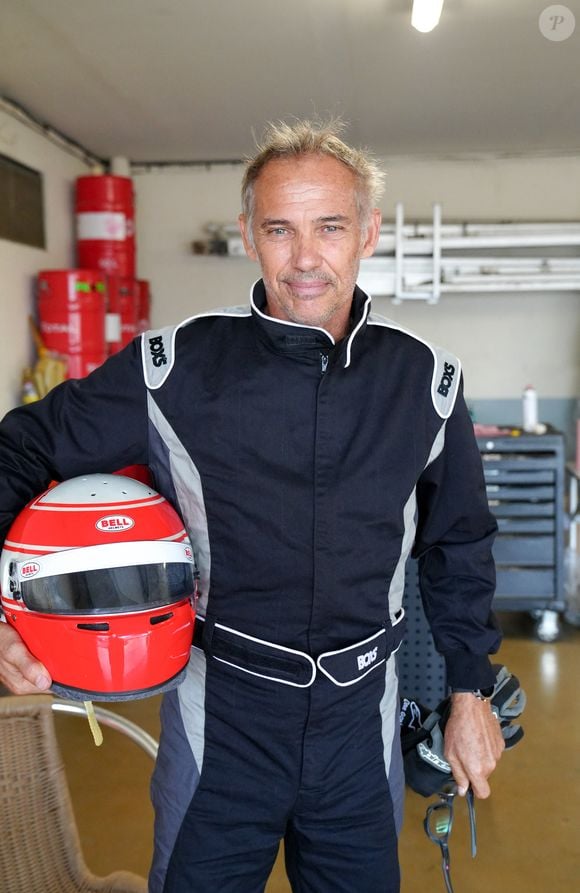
[306,254]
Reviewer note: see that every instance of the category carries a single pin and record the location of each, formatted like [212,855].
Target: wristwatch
[482,694]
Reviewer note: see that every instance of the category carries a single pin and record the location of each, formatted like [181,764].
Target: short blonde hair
[303,137]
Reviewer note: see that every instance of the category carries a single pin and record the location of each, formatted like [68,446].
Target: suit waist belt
[344,666]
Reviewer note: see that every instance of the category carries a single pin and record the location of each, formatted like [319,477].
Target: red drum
[71,314]
[105,219]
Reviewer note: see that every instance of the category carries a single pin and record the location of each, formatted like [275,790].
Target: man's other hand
[19,670]
[473,743]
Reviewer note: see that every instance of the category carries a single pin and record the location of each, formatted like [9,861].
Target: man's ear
[246,237]
[372,233]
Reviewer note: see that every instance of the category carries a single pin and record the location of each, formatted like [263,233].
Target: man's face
[308,239]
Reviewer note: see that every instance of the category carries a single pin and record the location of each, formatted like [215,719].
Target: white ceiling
[185,80]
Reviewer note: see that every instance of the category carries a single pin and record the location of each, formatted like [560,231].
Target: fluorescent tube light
[426,14]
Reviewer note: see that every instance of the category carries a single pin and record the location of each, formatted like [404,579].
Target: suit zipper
[323,363]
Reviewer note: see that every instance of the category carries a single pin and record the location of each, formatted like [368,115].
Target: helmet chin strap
[93,723]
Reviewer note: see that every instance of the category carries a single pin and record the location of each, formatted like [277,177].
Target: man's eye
[332,228]
[277,231]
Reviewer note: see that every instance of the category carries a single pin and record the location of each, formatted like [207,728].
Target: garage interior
[478,125]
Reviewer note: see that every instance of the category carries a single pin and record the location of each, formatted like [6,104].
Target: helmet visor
[153,582]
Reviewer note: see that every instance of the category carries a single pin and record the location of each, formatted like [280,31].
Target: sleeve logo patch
[446,379]
[157,349]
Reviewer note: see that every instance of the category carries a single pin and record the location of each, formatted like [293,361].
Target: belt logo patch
[446,379]
[157,351]
[365,660]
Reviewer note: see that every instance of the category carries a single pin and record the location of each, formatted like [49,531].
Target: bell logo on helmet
[114,523]
[29,570]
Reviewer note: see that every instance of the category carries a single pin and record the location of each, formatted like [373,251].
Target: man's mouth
[308,286]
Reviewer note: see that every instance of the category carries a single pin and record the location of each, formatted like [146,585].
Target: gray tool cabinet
[524,478]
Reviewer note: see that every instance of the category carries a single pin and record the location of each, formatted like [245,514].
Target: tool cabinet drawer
[530,551]
[525,583]
[524,479]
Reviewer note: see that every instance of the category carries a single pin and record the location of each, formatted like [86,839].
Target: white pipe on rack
[477,265]
[424,246]
[436,254]
[539,278]
[412,230]
[531,228]
[509,285]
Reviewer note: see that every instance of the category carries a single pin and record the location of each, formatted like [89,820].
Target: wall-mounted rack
[425,261]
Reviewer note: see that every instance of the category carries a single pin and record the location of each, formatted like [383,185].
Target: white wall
[505,341]
[173,205]
[19,264]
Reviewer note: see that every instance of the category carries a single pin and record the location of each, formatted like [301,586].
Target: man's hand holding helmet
[19,669]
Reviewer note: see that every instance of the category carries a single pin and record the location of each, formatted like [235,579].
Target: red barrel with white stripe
[71,308]
[105,220]
[122,303]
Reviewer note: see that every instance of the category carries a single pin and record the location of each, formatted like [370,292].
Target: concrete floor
[528,832]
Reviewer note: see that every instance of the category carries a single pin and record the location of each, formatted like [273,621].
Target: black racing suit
[306,473]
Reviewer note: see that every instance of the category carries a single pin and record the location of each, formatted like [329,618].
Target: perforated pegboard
[421,669]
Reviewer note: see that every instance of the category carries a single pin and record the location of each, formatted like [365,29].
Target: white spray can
[529,409]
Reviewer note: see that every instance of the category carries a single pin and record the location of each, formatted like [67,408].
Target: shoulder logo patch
[157,349]
[446,379]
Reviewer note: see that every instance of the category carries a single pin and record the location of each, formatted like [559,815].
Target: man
[309,446]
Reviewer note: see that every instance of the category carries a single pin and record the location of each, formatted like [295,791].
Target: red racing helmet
[97,576]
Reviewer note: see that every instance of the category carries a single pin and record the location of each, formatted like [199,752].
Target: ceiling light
[426,14]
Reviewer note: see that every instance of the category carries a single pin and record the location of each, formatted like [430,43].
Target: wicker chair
[39,844]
